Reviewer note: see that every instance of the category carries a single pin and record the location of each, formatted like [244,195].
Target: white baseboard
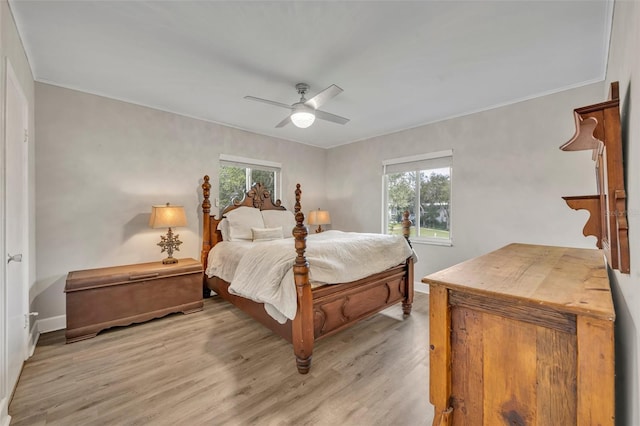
[34,335]
[46,325]
[420,287]
[5,418]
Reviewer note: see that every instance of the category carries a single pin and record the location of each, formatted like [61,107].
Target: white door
[16,125]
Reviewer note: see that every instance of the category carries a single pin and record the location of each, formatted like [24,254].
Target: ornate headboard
[257,197]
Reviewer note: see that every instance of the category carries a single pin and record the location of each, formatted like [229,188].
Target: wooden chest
[101,298]
[523,335]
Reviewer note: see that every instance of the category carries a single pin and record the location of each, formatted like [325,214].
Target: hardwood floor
[219,367]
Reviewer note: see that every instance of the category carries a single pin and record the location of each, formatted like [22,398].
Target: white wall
[508,178]
[101,165]
[624,67]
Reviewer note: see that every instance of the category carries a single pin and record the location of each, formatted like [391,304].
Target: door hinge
[26,135]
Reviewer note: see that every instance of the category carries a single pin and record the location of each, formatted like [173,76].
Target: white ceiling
[401,64]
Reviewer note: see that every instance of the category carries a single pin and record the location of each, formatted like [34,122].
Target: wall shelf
[598,130]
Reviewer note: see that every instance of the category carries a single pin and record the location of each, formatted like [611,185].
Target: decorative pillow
[241,220]
[267,234]
[283,218]
[223,227]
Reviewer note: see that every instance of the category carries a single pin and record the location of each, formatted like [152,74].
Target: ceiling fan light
[302,116]
[303,119]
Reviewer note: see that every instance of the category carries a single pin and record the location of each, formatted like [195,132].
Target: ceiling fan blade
[266,101]
[284,122]
[318,100]
[331,117]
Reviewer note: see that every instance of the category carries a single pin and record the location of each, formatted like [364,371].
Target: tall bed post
[302,325]
[407,303]
[206,218]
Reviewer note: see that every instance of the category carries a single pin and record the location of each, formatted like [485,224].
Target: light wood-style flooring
[220,367]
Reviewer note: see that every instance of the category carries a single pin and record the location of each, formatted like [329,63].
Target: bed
[320,311]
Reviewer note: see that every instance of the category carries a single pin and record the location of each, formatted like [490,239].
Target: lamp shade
[303,116]
[319,217]
[167,216]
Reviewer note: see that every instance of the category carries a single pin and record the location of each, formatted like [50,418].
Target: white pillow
[267,234]
[223,227]
[241,220]
[283,218]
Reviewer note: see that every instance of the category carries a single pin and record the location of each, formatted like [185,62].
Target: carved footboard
[338,307]
[330,308]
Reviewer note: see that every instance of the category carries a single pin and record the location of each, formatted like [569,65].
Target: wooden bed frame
[323,311]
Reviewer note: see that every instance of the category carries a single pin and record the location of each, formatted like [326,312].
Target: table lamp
[168,216]
[319,217]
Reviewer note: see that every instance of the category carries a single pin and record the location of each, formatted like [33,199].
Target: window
[421,185]
[237,175]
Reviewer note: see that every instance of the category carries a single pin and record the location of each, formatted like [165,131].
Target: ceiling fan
[305,112]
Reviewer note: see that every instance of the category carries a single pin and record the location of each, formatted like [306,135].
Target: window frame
[249,164]
[413,164]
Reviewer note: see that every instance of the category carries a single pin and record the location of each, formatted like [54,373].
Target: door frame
[6,389]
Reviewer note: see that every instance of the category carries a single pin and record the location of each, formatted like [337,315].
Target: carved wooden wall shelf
[598,129]
[591,203]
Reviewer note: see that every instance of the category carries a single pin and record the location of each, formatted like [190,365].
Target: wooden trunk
[523,336]
[98,299]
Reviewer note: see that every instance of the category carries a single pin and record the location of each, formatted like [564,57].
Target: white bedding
[263,271]
[224,257]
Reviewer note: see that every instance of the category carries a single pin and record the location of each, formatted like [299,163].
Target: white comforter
[264,271]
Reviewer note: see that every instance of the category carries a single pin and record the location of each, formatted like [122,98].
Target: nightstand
[98,299]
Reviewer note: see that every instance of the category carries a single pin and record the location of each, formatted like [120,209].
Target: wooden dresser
[523,336]
[98,299]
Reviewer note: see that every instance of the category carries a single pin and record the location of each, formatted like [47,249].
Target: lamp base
[319,230]
[169,244]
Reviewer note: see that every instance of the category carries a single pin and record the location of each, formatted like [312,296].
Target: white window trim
[249,161]
[411,159]
[420,157]
[245,161]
